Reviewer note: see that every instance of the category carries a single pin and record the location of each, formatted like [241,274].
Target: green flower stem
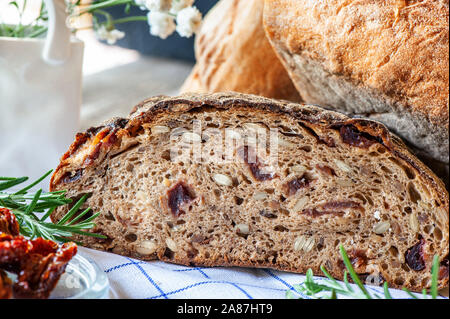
[38,32]
[130,19]
[107,15]
[104,4]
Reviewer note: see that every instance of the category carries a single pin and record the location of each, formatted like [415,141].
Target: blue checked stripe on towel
[132,278]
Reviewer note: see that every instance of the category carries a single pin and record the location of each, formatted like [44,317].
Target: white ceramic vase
[40,97]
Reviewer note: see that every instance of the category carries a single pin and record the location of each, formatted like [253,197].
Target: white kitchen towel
[132,278]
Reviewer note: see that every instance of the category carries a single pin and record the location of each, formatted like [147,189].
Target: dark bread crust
[384,60]
[233,54]
[92,146]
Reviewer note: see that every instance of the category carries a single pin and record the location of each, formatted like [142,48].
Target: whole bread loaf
[383,60]
[240,180]
[233,54]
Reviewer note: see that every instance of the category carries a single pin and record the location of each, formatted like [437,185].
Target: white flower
[101,32]
[111,36]
[141,4]
[158,5]
[188,21]
[161,24]
[178,5]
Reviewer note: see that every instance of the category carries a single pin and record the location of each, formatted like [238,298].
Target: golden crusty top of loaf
[233,54]
[399,48]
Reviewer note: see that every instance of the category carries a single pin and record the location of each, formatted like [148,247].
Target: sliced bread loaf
[240,180]
[233,54]
[383,60]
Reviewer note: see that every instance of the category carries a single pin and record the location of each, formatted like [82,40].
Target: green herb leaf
[25,205]
[434,277]
[335,288]
[352,272]
[387,294]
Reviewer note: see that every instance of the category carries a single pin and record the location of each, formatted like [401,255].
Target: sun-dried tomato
[350,135]
[70,177]
[40,274]
[331,208]
[443,269]
[297,183]
[177,196]
[43,247]
[13,249]
[5,286]
[414,256]
[39,263]
[8,222]
[327,140]
[358,259]
[325,169]
[248,155]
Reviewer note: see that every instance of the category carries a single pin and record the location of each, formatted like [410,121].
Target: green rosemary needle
[335,288]
[26,205]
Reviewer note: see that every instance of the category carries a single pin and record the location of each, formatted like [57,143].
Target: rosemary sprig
[25,206]
[335,288]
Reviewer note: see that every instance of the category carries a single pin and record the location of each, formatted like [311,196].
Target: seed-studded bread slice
[384,60]
[240,180]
